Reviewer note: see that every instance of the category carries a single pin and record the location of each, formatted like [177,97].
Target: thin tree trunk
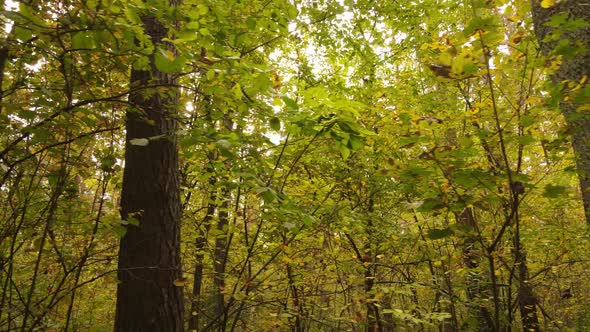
[297,305]
[481,317]
[373,319]
[219,260]
[149,255]
[221,243]
[200,242]
[527,301]
[573,68]
[3,59]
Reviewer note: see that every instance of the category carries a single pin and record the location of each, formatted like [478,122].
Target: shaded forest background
[311,165]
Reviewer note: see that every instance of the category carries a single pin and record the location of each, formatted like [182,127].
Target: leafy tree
[304,166]
[562,30]
[149,255]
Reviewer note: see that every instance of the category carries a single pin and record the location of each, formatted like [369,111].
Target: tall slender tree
[570,43]
[149,256]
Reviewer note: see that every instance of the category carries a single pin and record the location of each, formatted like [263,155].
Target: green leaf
[435,234]
[526,140]
[167,62]
[142,63]
[355,143]
[114,9]
[478,24]
[465,179]
[224,144]
[210,74]
[23,34]
[275,123]
[268,195]
[527,120]
[131,14]
[237,91]
[557,20]
[552,191]
[308,220]
[290,103]
[120,231]
[565,48]
[430,204]
[251,23]
[83,40]
[344,151]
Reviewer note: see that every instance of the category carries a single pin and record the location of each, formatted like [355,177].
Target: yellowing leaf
[276,81]
[237,91]
[547,3]
[180,282]
[170,55]
[287,260]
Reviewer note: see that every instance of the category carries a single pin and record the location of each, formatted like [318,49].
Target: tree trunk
[220,259]
[573,68]
[3,59]
[527,301]
[200,243]
[374,323]
[149,255]
[480,318]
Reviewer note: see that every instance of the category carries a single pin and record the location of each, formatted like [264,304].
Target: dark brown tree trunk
[149,255]
[480,318]
[527,301]
[221,242]
[196,311]
[297,325]
[3,60]
[573,68]
[220,259]
[200,243]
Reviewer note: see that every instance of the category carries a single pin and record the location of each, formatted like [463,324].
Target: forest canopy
[294,165]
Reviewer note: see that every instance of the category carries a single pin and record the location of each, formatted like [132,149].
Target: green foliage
[337,159]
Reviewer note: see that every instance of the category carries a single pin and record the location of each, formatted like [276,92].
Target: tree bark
[3,59]
[573,68]
[220,259]
[527,301]
[200,244]
[480,318]
[149,255]
[374,323]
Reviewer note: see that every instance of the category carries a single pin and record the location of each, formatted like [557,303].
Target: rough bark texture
[149,256]
[573,68]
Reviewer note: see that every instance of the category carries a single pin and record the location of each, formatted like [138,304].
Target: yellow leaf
[547,3]
[180,282]
[170,55]
[237,91]
[276,81]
